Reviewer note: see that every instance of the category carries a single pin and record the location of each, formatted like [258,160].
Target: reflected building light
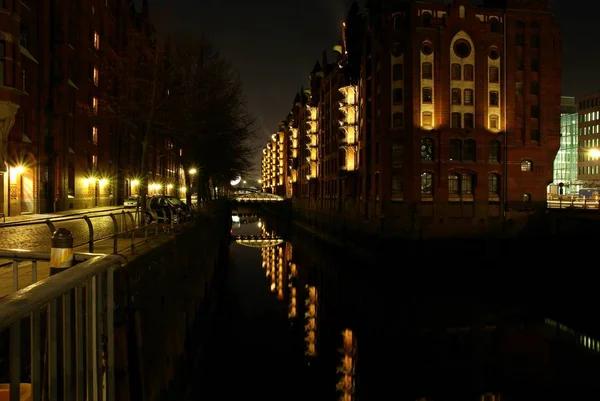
[292,308]
[310,326]
[280,274]
[347,368]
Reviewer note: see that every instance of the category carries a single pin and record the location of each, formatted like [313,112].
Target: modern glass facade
[565,163]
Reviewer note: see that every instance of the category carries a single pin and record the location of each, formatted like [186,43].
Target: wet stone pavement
[37,237]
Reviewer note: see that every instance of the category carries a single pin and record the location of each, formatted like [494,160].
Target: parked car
[132,201]
[166,206]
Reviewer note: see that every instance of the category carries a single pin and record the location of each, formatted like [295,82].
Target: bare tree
[212,118]
[185,90]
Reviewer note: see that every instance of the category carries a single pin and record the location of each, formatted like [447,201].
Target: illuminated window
[95,135]
[96,40]
[94,162]
[427,183]
[494,122]
[526,165]
[95,105]
[494,98]
[95,76]
[427,119]
[427,95]
[460,184]
[468,97]
[426,149]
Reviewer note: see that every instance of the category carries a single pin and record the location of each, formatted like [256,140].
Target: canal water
[300,319]
[289,321]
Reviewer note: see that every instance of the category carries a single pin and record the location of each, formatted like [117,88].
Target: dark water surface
[304,321]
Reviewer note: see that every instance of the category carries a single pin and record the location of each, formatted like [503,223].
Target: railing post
[61,253]
[115,232]
[91,234]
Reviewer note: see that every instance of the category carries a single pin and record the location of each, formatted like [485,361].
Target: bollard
[61,253]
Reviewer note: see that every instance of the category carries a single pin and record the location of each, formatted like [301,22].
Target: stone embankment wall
[161,296]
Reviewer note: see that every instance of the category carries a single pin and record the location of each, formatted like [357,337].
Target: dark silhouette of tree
[182,89]
[211,117]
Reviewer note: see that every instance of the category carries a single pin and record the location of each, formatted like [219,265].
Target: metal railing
[126,224]
[574,203]
[69,320]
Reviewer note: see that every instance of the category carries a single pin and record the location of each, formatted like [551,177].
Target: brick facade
[60,147]
[459,116]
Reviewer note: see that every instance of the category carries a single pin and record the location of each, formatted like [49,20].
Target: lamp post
[192,172]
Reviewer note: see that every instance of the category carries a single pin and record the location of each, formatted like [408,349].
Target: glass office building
[565,163]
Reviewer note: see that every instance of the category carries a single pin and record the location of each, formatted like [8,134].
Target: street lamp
[594,153]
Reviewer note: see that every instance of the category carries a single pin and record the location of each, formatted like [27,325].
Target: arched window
[494,25]
[426,19]
[526,165]
[460,186]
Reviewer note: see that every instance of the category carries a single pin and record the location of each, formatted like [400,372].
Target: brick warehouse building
[422,99]
[58,148]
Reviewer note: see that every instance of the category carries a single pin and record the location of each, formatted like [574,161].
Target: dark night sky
[274,44]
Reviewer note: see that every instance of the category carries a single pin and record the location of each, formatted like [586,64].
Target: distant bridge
[257,197]
[256,241]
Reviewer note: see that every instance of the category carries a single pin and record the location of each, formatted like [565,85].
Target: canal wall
[161,297]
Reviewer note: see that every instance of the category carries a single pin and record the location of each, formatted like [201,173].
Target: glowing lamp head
[595,153]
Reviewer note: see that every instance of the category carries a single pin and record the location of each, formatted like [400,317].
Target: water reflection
[358,333]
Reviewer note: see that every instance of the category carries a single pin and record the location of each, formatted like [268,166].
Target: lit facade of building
[275,173]
[432,111]
[59,149]
[565,163]
[588,166]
